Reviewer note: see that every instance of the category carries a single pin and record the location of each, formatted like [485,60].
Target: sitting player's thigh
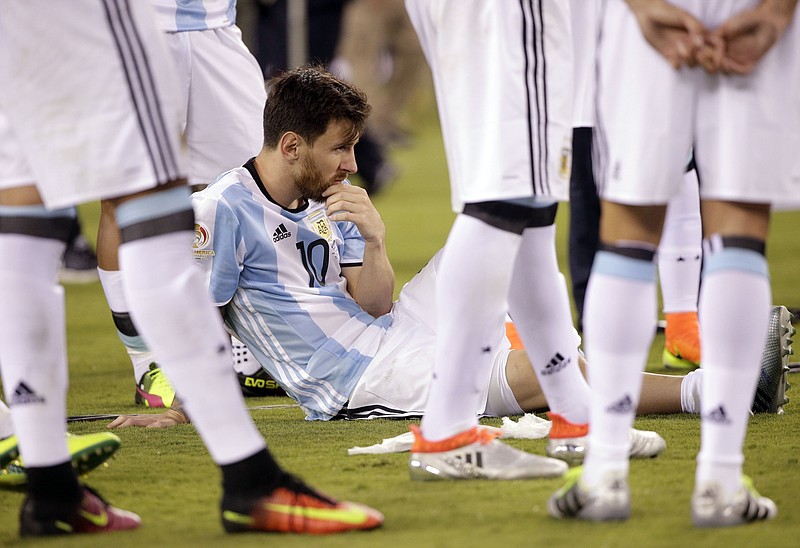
[418,297]
[397,379]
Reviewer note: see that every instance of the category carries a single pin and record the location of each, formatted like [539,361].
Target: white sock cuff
[691,388]
[111,280]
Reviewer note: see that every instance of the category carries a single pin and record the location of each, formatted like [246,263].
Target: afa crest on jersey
[565,162]
[319,223]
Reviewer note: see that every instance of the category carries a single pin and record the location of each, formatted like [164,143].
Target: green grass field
[168,477]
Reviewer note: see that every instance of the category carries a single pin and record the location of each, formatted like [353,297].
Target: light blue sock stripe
[37,211]
[734,258]
[135,343]
[153,206]
[620,266]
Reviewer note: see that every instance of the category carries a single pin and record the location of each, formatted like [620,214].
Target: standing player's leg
[539,304]
[734,310]
[467,337]
[79,264]
[33,354]
[33,343]
[495,190]
[638,163]
[739,187]
[584,217]
[679,260]
[222,128]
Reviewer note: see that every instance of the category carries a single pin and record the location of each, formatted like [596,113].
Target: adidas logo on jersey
[23,394]
[624,405]
[280,233]
[717,415]
[556,364]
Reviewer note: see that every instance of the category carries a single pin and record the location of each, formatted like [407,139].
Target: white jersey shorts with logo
[397,380]
[503,76]
[222,95]
[743,128]
[90,94]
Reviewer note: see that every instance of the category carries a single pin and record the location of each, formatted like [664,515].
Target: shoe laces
[157,379]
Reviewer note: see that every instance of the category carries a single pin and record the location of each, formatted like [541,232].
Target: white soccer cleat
[770,396]
[646,444]
[711,509]
[477,454]
[569,442]
[610,500]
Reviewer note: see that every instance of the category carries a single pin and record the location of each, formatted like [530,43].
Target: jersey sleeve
[216,247]
[352,252]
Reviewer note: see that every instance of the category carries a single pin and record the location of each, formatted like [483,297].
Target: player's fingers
[353,204]
[119,422]
[709,59]
[680,19]
[341,188]
[164,422]
[339,205]
[696,31]
[686,56]
[715,47]
[126,421]
[730,66]
[344,194]
[739,24]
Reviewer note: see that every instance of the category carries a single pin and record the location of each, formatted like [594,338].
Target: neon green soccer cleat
[154,390]
[87,452]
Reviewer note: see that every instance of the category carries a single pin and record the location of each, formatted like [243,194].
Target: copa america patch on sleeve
[202,239]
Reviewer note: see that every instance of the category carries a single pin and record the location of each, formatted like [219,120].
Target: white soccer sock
[243,361]
[734,316]
[471,294]
[691,391]
[6,425]
[619,326]
[169,302]
[33,346]
[140,356]
[539,305]
[680,250]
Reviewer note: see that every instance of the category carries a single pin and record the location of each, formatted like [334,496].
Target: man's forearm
[375,288]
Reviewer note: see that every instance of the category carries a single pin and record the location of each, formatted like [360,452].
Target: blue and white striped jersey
[188,15]
[280,273]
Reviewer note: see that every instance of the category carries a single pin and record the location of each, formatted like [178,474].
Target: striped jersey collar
[250,166]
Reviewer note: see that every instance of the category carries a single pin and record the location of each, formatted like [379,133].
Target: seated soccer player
[296,259]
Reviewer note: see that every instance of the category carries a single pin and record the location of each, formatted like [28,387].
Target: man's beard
[310,183]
